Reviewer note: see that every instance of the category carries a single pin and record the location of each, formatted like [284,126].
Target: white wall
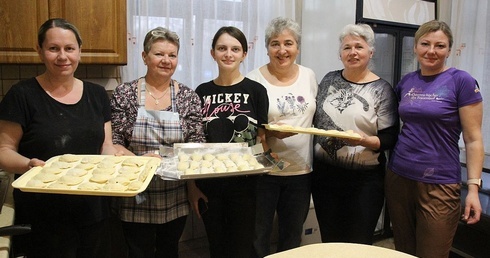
[322,22]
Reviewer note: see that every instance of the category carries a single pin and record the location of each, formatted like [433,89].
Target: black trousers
[347,202]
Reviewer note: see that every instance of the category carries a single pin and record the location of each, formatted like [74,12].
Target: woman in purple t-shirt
[436,104]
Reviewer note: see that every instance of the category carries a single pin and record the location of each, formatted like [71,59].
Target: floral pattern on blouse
[124,103]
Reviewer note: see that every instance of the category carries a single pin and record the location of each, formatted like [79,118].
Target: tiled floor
[198,248]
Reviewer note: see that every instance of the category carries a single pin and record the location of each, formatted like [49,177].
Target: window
[196,22]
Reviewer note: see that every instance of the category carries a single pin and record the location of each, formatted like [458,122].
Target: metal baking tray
[150,166]
[168,169]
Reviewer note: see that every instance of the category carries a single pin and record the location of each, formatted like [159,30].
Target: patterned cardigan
[124,104]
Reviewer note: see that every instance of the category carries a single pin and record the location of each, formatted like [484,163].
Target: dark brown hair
[57,23]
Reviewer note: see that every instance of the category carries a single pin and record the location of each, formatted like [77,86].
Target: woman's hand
[152,154]
[35,163]
[354,142]
[472,209]
[370,142]
[194,194]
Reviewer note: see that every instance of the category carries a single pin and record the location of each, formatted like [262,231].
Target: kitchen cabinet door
[102,25]
[19,22]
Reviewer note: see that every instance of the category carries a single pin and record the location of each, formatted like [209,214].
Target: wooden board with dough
[102,175]
[349,134]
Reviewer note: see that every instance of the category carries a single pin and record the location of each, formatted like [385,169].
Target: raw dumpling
[46,178]
[76,172]
[69,158]
[136,185]
[182,165]
[196,156]
[208,156]
[90,186]
[70,180]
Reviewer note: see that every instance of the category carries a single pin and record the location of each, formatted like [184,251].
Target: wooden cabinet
[102,25]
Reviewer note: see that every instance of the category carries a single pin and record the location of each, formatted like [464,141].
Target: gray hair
[278,25]
[160,33]
[359,30]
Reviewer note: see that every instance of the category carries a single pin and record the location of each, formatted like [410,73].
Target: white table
[340,250]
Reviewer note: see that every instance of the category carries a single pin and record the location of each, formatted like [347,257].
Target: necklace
[157,100]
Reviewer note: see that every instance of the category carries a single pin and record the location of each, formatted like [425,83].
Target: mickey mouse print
[233,113]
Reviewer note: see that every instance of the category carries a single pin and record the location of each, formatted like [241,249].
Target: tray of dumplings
[210,160]
[103,175]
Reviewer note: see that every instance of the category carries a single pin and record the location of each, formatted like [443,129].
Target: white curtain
[196,22]
[470,52]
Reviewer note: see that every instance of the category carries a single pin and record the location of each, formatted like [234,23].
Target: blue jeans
[347,202]
[230,218]
[289,196]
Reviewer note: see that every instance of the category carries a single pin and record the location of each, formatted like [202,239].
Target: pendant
[157,102]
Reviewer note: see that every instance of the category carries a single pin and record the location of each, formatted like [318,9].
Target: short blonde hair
[160,33]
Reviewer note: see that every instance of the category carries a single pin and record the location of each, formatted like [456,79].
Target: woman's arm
[10,160]
[189,106]
[193,195]
[471,121]
[124,111]
[108,148]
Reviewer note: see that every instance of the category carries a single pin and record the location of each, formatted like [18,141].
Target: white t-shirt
[293,105]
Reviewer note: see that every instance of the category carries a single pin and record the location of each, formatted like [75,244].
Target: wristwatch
[476,181]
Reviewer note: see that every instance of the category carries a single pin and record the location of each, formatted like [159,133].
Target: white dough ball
[183,157]
[241,162]
[206,170]
[196,156]
[247,157]
[252,161]
[208,156]
[220,169]
[232,168]
[195,164]
[229,163]
[206,164]
[190,171]
[235,156]
[243,167]
[222,156]
[182,165]
[218,163]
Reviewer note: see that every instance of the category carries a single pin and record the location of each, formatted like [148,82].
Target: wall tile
[28,71]
[110,71]
[106,75]
[10,72]
[81,72]
[94,71]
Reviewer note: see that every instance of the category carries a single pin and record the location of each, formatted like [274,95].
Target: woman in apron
[147,113]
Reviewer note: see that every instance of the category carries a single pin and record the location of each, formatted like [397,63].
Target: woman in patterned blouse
[147,113]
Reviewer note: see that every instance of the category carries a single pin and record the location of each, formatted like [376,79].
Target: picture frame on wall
[406,13]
